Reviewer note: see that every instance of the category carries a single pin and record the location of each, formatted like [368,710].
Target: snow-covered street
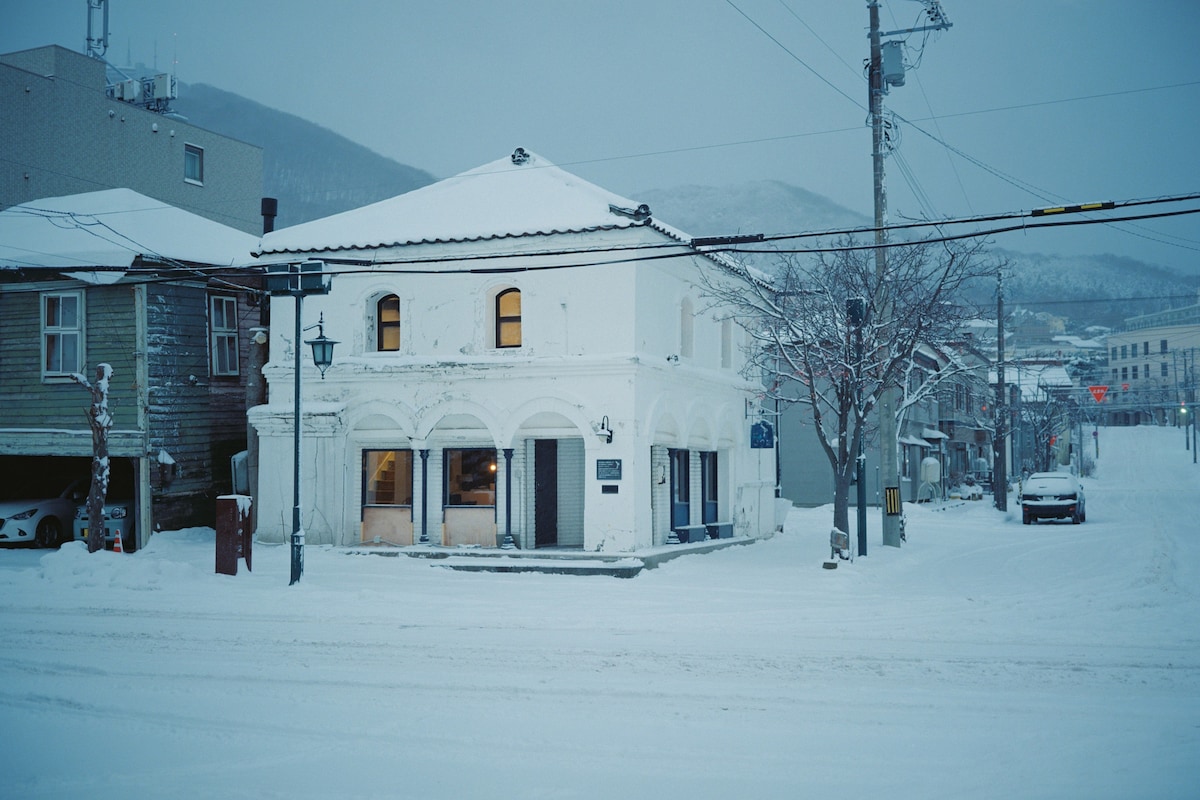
[985,658]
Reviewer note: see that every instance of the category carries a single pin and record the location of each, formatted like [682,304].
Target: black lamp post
[322,348]
[297,280]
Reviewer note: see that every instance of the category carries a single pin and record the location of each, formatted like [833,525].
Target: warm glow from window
[508,318]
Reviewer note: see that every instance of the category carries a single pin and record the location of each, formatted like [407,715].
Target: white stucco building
[520,353]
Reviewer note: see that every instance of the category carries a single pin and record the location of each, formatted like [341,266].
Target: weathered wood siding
[49,416]
[196,417]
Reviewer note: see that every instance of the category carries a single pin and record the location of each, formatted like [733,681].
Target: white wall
[596,342]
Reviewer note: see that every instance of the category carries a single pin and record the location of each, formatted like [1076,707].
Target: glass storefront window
[387,477]
[470,477]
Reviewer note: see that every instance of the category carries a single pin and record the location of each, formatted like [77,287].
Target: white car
[118,520]
[1052,495]
[33,518]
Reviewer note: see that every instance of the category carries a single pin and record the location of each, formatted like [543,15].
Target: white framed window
[193,163]
[223,334]
[62,333]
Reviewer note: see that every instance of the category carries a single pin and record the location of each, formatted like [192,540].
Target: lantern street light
[321,346]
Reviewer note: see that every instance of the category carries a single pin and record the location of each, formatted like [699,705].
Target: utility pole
[856,315]
[877,86]
[888,459]
[999,445]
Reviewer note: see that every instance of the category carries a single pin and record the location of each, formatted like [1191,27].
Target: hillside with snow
[983,659]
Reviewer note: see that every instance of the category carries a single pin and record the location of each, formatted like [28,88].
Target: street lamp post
[297,280]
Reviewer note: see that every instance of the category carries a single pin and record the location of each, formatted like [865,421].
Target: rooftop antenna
[97,40]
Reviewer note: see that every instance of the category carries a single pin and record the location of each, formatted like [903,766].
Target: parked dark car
[1052,495]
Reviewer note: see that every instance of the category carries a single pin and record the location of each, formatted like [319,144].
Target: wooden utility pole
[999,445]
[889,457]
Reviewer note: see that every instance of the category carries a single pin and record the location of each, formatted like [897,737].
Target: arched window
[687,321]
[508,318]
[387,323]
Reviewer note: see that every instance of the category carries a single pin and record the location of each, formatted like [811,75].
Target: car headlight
[24,514]
[117,512]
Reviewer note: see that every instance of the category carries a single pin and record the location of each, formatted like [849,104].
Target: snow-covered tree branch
[808,350]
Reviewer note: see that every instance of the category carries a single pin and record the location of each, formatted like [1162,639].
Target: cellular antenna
[97,40]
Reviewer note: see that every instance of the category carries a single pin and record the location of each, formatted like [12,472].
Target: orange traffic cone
[117,543]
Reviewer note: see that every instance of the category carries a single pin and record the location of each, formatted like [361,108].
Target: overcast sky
[1040,102]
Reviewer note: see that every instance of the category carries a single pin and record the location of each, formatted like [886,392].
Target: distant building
[1152,367]
[1033,334]
[946,420]
[63,133]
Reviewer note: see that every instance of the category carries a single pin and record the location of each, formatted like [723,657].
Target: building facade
[522,357]
[1152,368]
[178,346]
[65,133]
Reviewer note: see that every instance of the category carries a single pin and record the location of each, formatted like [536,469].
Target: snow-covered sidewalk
[983,659]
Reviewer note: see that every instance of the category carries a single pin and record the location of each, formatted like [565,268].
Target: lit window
[470,477]
[387,477]
[193,163]
[388,323]
[223,326]
[508,318]
[62,333]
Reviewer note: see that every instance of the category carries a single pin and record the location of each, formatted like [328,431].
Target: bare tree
[1043,418]
[809,351]
[101,422]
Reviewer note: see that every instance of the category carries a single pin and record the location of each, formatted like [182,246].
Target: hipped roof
[502,199]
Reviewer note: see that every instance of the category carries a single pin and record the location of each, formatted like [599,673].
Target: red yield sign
[1098,392]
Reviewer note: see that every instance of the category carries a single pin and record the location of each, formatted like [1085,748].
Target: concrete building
[1152,367]
[65,132]
[521,354]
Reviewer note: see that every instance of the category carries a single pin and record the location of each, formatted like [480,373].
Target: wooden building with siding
[119,278]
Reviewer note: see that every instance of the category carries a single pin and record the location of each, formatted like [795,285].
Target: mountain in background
[1097,290]
[315,172]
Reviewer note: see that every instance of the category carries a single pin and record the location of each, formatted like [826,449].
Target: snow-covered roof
[1078,342]
[112,228]
[518,195]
